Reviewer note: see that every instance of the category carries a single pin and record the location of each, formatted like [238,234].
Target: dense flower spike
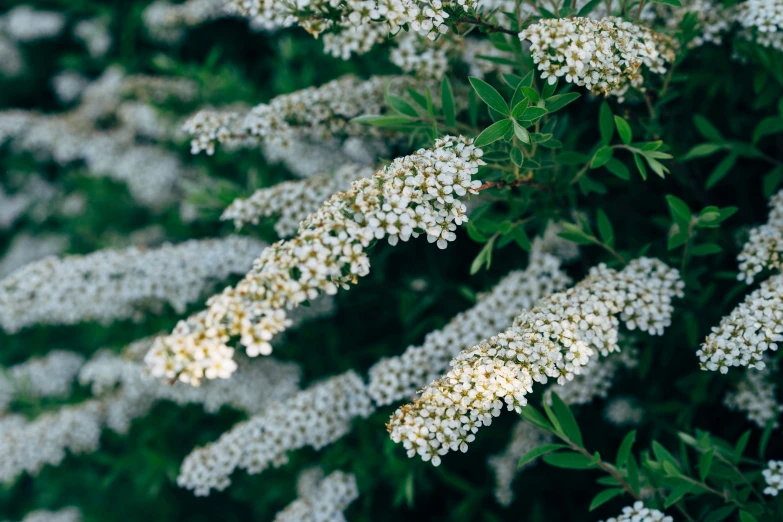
[744,336]
[316,113]
[25,248]
[121,152]
[397,378]
[762,22]
[305,158]
[50,376]
[555,339]
[422,58]
[764,248]
[639,513]
[320,499]
[166,22]
[69,514]
[419,193]
[524,437]
[773,476]
[606,56]
[314,417]
[756,394]
[290,202]
[118,284]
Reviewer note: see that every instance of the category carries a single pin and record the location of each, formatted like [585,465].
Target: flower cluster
[623,411]
[595,380]
[752,328]
[762,22]
[415,194]
[94,34]
[756,394]
[166,22]
[69,85]
[50,376]
[639,513]
[120,152]
[555,339]
[712,19]
[320,499]
[26,248]
[773,476]
[69,514]
[396,378]
[606,56]
[314,417]
[764,248]
[304,158]
[118,284]
[524,437]
[290,202]
[22,25]
[315,113]
[422,58]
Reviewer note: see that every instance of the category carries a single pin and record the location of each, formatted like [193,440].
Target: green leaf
[519,108]
[549,88]
[706,249]
[567,420]
[493,133]
[771,181]
[637,158]
[447,102]
[535,417]
[742,443]
[722,513]
[382,121]
[531,113]
[521,133]
[606,123]
[633,474]
[539,452]
[530,93]
[702,150]
[747,517]
[605,496]
[681,213]
[401,106]
[483,257]
[707,129]
[520,236]
[490,96]
[601,157]
[588,8]
[677,240]
[568,460]
[720,171]
[625,448]
[624,130]
[557,102]
[675,3]
[766,434]
[705,462]
[766,127]
[575,234]
[605,229]
[676,495]
[618,168]
[663,455]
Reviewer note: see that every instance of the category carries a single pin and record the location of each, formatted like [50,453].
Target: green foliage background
[133,477]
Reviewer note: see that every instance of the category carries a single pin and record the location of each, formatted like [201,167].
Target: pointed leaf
[568,460]
[625,448]
[567,419]
[623,129]
[447,102]
[605,496]
[490,96]
[705,461]
[539,452]
[606,123]
[493,133]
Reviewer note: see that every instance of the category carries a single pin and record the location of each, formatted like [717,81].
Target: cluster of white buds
[524,438]
[290,202]
[151,172]
[118,284]
[314,417]
[25,24]
[320,499]
[595,380]
[69,514]
[166,22]
[623,411]
[606,56]
[315,113]
[752,328]
[304,158]
[764,248]
[639,513]
[396,378]
[49,376]
[555,339]
[416,194]
[94,34]
[26,248]
[762,22]
[773,476]
[255,384]
[712,19]
[422,58]
[756,394]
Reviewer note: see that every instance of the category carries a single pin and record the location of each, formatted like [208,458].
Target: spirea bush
[378,260]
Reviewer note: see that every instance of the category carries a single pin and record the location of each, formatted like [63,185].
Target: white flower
[320,499]
[764,248]
[69,514]
[756,394]
[639,513]
[773,476]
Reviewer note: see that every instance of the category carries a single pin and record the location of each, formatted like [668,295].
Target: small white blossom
[94,34]
[756,394]
[639,513]
[764,248]
[25,24]
[50,376]
[69,514]
[623,411]
[320,499]
[773,476]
